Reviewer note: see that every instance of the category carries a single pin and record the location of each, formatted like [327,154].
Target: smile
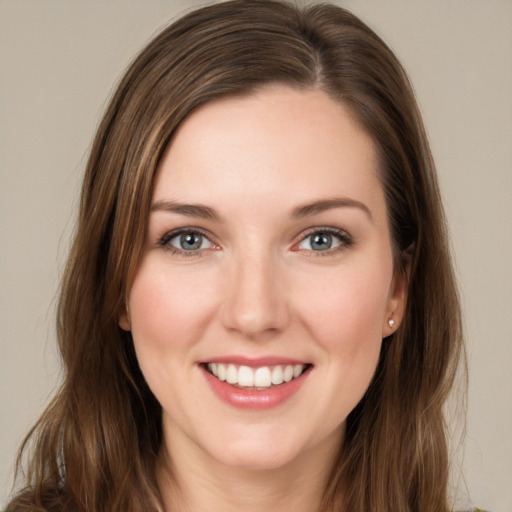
[255,385]
[262,377]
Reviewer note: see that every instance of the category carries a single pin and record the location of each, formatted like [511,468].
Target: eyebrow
[189,210]
[327,204]
[301,211]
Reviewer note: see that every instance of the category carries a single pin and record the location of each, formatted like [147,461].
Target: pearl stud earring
[391,322]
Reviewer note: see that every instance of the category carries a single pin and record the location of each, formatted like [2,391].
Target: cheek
[345,317]
[167,311]
[349,311]
[345,320]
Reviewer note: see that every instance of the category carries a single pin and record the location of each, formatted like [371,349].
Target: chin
[254,449]
[262,459]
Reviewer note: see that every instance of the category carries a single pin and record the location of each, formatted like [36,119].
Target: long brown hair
[96,445]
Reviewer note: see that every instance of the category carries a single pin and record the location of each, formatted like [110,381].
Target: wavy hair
[96,445]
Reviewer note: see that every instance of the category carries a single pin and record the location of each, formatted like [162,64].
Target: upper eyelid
[321,229]
[173,233]
[344,237]
[325,229]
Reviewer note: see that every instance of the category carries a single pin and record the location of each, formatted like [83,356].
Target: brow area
[323,205]
[188,210]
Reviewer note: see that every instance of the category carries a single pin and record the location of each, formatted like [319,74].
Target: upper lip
[255,362]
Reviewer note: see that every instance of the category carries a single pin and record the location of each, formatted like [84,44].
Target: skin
[258,288]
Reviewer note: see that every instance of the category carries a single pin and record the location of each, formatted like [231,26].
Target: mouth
[258,378]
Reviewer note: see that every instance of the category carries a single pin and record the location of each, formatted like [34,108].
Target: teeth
[245,377]
[221,371]
[288,373]
[262,377]
[277,375]
[231,374]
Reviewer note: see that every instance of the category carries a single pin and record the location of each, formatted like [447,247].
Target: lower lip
[255,399]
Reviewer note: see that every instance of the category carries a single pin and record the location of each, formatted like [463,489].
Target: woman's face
[260,305]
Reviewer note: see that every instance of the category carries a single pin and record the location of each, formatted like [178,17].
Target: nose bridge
[256,301]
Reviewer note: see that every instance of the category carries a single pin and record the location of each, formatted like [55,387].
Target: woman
[259,309]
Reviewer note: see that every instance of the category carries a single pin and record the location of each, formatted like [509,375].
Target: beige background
[58,62]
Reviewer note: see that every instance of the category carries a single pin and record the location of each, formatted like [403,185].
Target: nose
[256,302]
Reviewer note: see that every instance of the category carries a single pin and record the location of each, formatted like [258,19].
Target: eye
[186,241]
[325,240]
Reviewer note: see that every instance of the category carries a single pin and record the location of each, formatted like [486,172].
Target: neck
[189,484]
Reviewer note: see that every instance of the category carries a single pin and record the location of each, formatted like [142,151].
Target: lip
[255,362]
[251,399]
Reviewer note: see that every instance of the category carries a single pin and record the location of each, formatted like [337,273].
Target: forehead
[278,143]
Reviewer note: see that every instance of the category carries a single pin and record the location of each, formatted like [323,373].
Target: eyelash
[344,238]
[166,239]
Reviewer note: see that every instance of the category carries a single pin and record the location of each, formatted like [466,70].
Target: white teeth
[277,375]
[262,377]
[245,376]
[221,371]
[288,373]
[232,374]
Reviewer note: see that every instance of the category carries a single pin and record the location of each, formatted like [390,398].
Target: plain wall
[60,58]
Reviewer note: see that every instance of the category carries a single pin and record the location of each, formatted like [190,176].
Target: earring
[391,323]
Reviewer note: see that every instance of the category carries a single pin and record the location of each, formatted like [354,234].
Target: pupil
[321,242]
[190,241]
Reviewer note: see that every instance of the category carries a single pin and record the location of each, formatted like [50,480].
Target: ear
[397,299]
[124,320]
